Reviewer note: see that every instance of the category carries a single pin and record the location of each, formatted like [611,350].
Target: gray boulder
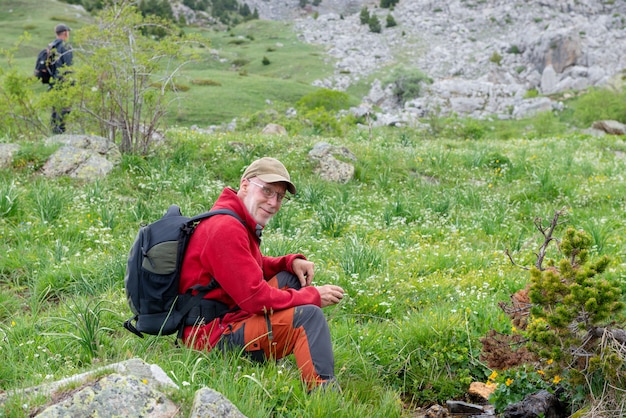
[6,154]
[540,404]
[85,157]
[328,166]
[274,129]
[611,127]
[209,403]
[131,388]
[111,396]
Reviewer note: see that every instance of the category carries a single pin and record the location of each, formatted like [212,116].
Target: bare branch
[508,254]
[618,334]
[547,233]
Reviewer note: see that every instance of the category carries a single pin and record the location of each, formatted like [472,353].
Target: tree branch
[547,234]
[508,254]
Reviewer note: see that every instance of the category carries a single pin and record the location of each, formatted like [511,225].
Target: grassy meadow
[417,240]
[226,80]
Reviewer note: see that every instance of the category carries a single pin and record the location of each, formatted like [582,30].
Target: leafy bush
[20,104]
[386,4]
[374,24]
[321,122]
[326,99]
[114,92]
[514,49]
[205,82]
[515,384]
[407,82]
[567,325]
[599,104]
[364,16]
[531,93]
[496,58]
[240,62]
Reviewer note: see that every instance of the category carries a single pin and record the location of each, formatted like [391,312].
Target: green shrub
[515,384]
[205,82]
[265,61]
[326,99]
[237,41]
[240,62]
[407,83]
[321,122]
[599,104]
[531,93]
[570,306]
[496,58]
[391,22]
[386,4]
[365,15]
[514,49]
[374,24]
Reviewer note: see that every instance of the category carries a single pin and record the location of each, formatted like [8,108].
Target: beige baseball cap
[270,170]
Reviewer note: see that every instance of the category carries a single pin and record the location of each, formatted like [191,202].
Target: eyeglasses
[269,193]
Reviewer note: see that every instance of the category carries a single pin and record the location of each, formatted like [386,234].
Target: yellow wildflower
[493,375]
[541,372]
[508,381]
[550,361]
[556,379]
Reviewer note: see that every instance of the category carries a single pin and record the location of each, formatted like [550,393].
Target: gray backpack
[153,276]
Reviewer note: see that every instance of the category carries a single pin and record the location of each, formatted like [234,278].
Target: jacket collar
[229,200]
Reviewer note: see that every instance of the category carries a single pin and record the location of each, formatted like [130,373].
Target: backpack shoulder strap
[210,213]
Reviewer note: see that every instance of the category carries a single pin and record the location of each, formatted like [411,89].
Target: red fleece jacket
[223,248]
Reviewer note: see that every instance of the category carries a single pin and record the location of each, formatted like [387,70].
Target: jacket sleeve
[274,265]
[236,264]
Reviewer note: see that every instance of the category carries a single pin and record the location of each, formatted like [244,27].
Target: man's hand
[304,270]
[330,294]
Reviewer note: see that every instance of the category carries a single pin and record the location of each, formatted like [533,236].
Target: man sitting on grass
[272,308]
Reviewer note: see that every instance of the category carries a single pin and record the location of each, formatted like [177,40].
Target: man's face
[263,200]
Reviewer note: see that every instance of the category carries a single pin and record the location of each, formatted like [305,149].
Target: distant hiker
[62,52]
[273,310]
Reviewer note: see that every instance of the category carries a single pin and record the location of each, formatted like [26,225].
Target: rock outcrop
[85,157]
[485,58]
[130,388]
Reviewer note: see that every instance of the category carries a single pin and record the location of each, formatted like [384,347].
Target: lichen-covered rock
[211,404]
[85,157]
[274,129]
[113,396]
[328,166]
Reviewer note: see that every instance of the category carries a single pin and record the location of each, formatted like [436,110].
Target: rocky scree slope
[483,56]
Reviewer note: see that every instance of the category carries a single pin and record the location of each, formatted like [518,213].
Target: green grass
[245,89]
[242,90]
[417,239]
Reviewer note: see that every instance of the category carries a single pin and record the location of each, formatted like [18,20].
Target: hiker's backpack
[45,64]
[153,275]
